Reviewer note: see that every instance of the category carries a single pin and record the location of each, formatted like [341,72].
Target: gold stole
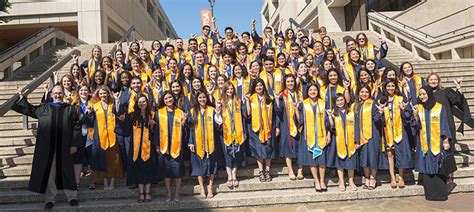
[209,43]
[417,81]
[105,125]
[232,125]
[217,61]
[216,94]
[204,134]
[176,134]
[309,124]
[393,129]
[435,129]
[245,85]
[350,71]
[327,96]
[277,80]
[138,137]
[261,118]
[367,52]
[290,112]
[168,75]
[91,67]
[143,76]
[148,70]
[345,135]
[365,117]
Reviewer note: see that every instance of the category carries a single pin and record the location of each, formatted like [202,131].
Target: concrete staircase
[17,146]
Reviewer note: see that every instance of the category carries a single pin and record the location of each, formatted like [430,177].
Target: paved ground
[456,202]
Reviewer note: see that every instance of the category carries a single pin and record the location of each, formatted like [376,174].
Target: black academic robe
[58,131]
[450,99]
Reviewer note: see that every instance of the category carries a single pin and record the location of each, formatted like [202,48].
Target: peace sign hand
[381,107]
[403,105]
[415,110]
[347,84]
[22,91]
[458,83]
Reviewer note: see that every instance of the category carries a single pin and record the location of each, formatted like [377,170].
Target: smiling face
[327,65]
[98,78]
[230,91]
[213,72]
[354,55]
[407,69]
[187,70]
[175,88]
[391,74]
[135,65]
[103,95]
[57,94]
[364,77]
[340,102]
[364,94]
[268,65]
[202,99]
[361,40]
[370,65]
[313,92]
[96,53]
[136,85]
[390,88]
[142,103]
[196,84]
[290,83]
[332,77]
[433,81]
[125,79]
[144,54]
[134,47]
[423,96]
[281,60]
[302,69]
[168,99]
[238,71]
[351,45]
[220,82]
[75,71]
[66,83]
[84,92]
[259,88]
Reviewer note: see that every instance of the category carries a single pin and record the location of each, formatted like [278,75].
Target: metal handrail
[5,107]
[20,46]
[124,37]
[445,17]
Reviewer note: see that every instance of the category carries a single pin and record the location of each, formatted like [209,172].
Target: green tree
[4,5]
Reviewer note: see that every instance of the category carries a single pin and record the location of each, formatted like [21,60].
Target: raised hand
[247,97]
[381,107]
[214,19]
[193,36]
[253,22]
[458,83]
[121,117]
[75,57]
[191,147]
[311,31]
[46,88]
[403,105]
[347,84]
[183,119]
[415,110]
[446,145]
[329,112]
[22,91]
[88,109]
[117,95]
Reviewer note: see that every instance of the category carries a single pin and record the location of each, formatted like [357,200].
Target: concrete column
[41,50]
[27,60]
[90,21]
[454,54]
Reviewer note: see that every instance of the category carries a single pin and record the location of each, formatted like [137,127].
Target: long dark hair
[268,99]
[339,77]
[162,99]
[196,106]
[318,96]
[335,108]
[137,114]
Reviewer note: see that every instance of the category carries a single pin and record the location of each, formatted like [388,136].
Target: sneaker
[268,177]
[48,206]
[73,203]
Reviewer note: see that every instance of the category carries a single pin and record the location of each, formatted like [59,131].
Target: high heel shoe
[141,198]
[316,188]
[401,183]
[147,197]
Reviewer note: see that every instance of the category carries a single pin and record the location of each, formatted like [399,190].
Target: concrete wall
[95,19]
[432,10]
[450,23]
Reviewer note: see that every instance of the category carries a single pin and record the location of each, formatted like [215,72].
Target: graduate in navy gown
[395,143]
[369,121]
[264,129]
[432,143]
[289,138]
[312,118]
[170,130]
[342,150]
[204,143]
[234,133]
[144,151]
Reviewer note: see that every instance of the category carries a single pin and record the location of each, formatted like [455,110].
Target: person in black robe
[450,99]
[58,137]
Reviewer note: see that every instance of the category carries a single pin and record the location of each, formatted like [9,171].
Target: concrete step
[17,150]
[236,199]
[18,141]
[17,125]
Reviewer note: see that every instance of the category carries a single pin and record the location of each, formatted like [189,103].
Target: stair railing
[5,107]
[25,51]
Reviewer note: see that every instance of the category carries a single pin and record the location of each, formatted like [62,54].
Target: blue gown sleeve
[255,37]
[155,140]
[277,116]
[301,121]
[85,64]
[445,131]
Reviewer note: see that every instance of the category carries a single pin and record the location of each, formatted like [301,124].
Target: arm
[24,107]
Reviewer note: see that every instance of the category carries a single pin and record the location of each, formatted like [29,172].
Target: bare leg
[106,184]
[291,174]
[177,181]
[401,181]
[201,185]
[340,174]
[373,178]
[234,177]
[77,173]
[322,174]
[367,176]
[141,194]
[168,189]
[147,192]
[210,192]
[314,172]
[350,174]
[112,183]
[229,177]
[391,168]
[268,176]
[300,173]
